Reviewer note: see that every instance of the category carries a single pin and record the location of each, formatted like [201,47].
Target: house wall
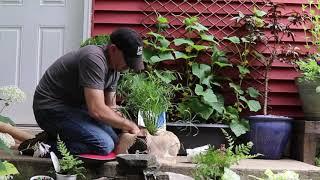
[284,99]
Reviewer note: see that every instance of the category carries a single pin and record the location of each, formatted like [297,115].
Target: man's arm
[99,110]
[110,99]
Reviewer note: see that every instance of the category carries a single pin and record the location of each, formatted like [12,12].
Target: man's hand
[134,128]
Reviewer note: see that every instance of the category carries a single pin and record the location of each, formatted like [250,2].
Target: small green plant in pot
[68,167]
[147,94]
[309,83]
[214,164]
[309,86]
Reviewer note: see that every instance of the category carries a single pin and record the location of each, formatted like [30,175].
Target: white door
[34,33]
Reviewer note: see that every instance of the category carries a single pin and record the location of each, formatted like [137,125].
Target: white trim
[87,8]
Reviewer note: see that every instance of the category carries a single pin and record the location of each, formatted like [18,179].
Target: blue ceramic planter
[270,135]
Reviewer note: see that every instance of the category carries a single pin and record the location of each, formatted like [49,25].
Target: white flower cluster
[12,94]
[7,139]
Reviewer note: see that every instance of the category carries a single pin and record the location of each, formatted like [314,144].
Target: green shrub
[96,40]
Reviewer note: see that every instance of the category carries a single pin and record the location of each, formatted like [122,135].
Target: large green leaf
[9,169]
[166,76]
[207,80]
[198,107]
[238,128]
[181,55]
[243,70]
[219,105]
[190,21]
[156,35]
[164,42]
[180,41]
[258,22]
[236,87]
[253,92]
[244,99]
[223,64]
[209,38]
[208,95]
[147,54]
[199,47]
[6,120]
[201,70]
[259,13]
[218,55]
[233,39]
[162,57]
[197,26]
[254,105]
[163,49]
[162,20]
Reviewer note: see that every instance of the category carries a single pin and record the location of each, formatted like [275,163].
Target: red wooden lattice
[140,15]
[216,15]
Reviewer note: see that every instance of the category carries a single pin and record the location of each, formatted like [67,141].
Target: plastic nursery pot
[65,177]
[309,97]
[41,177]
[269,134]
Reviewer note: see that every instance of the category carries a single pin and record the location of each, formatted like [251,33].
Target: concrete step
[257,167]
[29,166]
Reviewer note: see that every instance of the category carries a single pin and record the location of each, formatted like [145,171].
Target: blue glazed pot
[269,134]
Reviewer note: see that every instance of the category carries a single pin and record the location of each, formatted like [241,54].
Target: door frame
[87,17]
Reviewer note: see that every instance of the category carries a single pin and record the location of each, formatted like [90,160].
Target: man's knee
[104,146]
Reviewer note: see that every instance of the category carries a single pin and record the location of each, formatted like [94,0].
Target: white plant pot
[41,177]
[66,177]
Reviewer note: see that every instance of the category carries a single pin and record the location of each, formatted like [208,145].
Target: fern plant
[213,163]
[69,165]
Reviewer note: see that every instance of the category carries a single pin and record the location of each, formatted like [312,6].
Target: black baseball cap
[130,43]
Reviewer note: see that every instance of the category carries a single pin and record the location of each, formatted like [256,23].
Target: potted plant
[215,163]
[147,98]
[41,177]
[308,86]
[68,167]
[269,133]
[308,83]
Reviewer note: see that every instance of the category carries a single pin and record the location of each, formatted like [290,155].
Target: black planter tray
[195,135]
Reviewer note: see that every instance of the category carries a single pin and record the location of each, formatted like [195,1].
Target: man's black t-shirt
[64,81]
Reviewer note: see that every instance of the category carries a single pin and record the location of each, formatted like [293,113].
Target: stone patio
[34,166]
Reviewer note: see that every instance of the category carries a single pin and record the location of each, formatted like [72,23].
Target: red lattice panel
[214,14]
